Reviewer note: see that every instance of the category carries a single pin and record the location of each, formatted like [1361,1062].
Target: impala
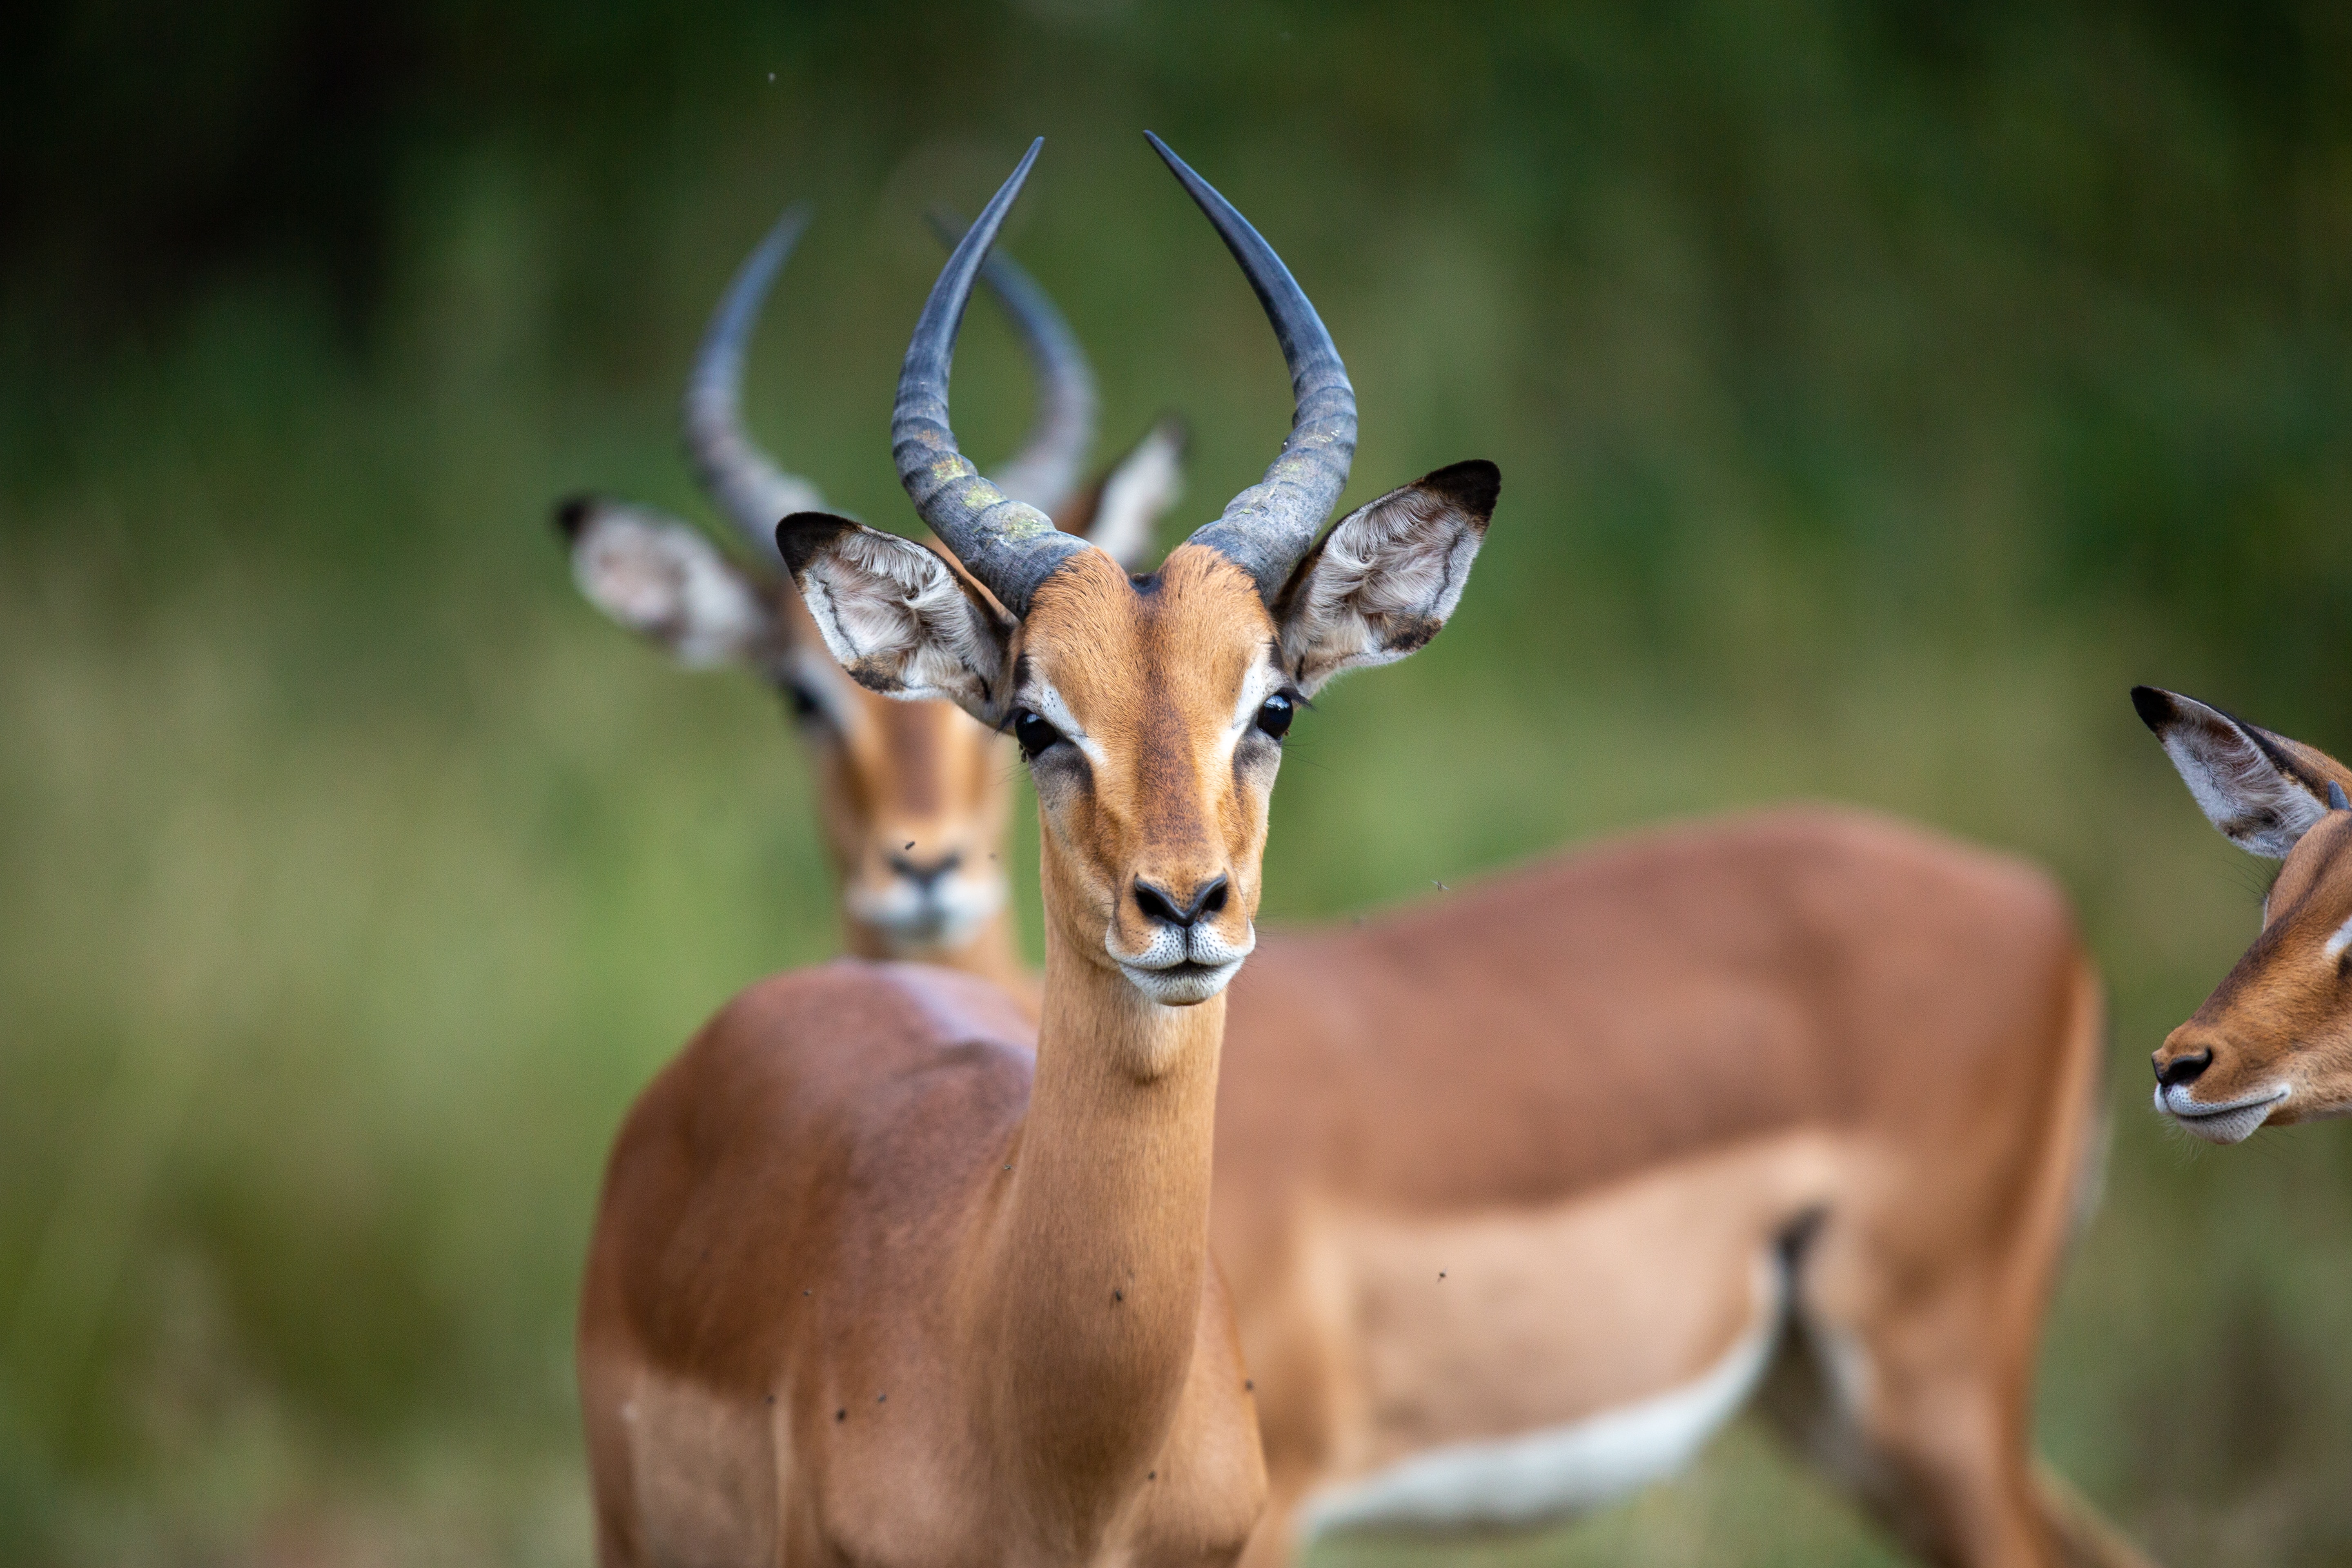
[1524,1192]
[871,1281]
[2272,1045]
[912,798]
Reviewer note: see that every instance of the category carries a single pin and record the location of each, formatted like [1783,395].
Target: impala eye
[1276,716]
[802,700]
[1033,733]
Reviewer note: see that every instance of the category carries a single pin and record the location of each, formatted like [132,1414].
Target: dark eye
[1033,733]
[1274,717]
[801,702]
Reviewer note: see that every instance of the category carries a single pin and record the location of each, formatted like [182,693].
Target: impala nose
[1158,904]
[924,876]
[2184,1069]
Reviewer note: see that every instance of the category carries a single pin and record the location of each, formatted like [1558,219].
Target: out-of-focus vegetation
[1880,389]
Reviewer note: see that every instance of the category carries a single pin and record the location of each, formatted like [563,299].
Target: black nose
[1206,899]
[2182,1068]
[924,876]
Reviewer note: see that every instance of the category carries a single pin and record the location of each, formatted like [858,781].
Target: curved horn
[1009,546]
[1266,528]
[743,481]
[1044,471]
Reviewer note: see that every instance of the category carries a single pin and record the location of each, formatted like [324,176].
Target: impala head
[912,795]
[1151,710]
[2272,1045]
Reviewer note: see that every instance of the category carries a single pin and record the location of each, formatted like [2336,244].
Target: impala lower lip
[2233,1121]
[1182,984]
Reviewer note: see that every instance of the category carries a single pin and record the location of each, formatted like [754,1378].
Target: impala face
[1151,710]
[2272,1045]
[912,796]
[1151,716]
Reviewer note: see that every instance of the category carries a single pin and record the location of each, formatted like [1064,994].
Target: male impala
[870,1282]
[2272,1045]
[912,795]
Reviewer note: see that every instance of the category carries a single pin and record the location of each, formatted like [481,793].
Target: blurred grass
[1879,391]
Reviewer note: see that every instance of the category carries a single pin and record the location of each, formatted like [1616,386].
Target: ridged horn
[1266,528]
[742,479]
[1044,471]
[1008,545]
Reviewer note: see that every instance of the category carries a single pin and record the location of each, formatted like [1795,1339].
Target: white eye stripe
[1257,686]
[1041,699]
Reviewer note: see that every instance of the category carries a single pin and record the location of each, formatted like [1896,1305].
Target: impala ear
[1386,578]
[2262,790]
[667,583]
[1117,515]
[901,620]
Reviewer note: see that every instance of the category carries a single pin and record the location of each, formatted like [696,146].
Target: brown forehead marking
[1149,667]
[1181,636]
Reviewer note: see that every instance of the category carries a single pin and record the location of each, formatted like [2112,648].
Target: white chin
[2223,1127]
[1183,986]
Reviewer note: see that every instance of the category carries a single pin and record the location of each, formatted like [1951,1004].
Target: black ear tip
[572,515]
[2155,707]
[799,536]
[1473,485]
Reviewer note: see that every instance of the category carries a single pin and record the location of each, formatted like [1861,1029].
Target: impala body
[872,1280]
[1525,1191]
[2272,1045]
[912,796]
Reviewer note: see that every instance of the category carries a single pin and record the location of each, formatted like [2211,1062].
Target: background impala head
[1151,710]
[2272,1044]
[912,798]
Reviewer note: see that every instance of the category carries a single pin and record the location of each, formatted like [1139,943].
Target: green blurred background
[1880,389]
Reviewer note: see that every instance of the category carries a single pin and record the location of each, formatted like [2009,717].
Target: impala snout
[2202,1084]
[1181,938]
[923,895]
[1157,904]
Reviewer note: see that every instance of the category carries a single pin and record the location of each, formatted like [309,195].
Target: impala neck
[1088,1274]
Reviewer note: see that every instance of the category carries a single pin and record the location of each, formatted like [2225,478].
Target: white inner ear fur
[664,581]
[1387,577]
[2260,808]
[901,623]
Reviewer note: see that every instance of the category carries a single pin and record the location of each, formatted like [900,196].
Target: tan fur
[2277,1024]
[915,783]
[1594,1092]
[974,1281]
